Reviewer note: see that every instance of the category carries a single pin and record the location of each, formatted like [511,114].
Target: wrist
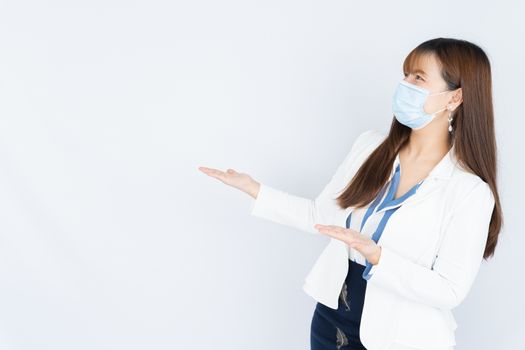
[253,189]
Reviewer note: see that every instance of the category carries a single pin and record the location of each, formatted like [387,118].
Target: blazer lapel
[435,179]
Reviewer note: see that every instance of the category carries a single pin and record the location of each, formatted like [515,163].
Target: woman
[389,281]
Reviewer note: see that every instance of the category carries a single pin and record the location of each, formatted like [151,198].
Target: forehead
[422,63]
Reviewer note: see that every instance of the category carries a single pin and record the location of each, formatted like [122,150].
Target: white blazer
[432,248]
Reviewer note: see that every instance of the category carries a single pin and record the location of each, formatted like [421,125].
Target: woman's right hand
[241,181]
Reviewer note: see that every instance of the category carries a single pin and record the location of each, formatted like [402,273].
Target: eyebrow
[421,71]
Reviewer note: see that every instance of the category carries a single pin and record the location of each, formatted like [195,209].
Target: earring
[450,119]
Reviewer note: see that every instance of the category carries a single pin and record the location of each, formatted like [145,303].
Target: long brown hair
[465,65]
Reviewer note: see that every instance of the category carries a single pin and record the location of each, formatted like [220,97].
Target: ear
[458,96]
[457,99]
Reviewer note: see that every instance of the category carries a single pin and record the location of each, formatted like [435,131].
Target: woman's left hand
[362,243]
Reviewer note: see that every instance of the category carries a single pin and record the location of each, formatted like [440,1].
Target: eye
[417,75]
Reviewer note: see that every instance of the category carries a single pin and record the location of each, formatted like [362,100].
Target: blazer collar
[442,170]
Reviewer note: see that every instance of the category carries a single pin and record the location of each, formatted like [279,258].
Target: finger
[214,173]
[333,234]
[209,170]
[356,244]
[353,234]
[330,227]
[325,228]
[337,228]
[336,232]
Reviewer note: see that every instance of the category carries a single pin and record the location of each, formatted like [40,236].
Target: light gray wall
[110,238]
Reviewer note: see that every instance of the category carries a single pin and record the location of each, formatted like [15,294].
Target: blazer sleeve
[303,213]
[458,260]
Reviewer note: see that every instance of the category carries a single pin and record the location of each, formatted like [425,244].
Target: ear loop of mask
[439,93]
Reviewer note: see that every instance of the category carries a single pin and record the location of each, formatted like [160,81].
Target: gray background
[110,238]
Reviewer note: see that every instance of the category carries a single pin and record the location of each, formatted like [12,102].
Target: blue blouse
[386,208]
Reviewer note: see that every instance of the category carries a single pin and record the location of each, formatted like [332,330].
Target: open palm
[241,181]
[354,239]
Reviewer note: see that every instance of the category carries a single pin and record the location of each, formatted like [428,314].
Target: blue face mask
[408,102]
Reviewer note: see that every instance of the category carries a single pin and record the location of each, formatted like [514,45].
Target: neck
[428,143]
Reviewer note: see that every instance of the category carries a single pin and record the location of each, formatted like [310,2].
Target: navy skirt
[339,329]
